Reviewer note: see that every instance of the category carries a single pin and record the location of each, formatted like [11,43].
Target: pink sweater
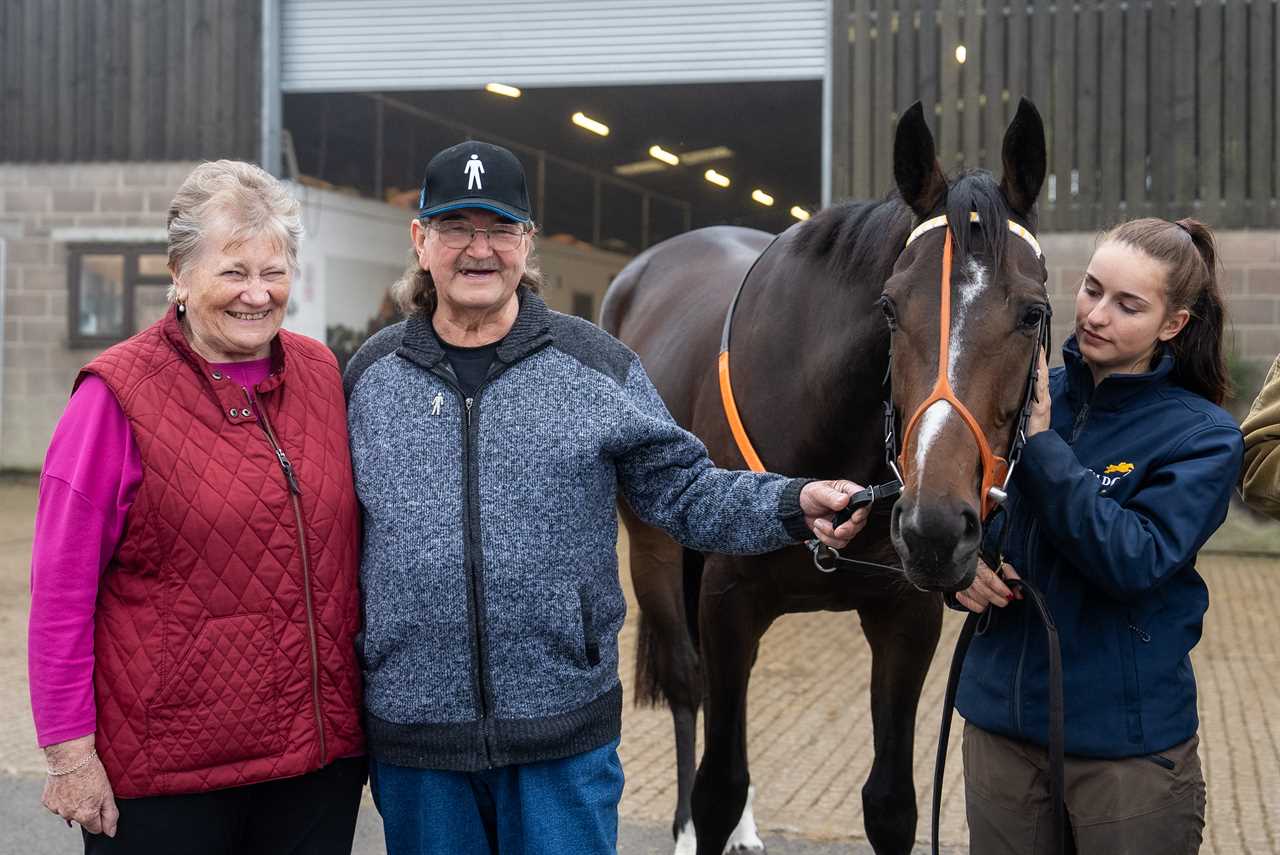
[91,474]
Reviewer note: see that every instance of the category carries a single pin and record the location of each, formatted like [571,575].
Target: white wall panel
[387,45]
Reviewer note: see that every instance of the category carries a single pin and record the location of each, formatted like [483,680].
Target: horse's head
[960,383]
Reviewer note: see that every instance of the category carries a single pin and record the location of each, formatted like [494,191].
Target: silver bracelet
[58,773]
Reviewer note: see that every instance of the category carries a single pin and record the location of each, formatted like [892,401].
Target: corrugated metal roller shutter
[349,45]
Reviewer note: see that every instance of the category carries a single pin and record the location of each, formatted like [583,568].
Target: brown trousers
[1139,805]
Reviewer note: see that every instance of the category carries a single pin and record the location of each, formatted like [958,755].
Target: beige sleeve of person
[1260,480]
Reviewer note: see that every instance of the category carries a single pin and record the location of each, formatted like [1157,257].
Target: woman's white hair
[241,198]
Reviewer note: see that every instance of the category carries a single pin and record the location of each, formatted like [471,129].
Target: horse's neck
[814,351]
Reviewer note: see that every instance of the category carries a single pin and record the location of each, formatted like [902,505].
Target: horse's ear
[1025,160]
[915,165]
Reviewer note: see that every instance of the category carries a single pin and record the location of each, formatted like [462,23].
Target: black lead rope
[1057,742]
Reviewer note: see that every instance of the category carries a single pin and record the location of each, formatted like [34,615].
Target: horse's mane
[861,240]
[858,240]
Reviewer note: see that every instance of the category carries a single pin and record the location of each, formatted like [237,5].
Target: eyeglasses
[458,234]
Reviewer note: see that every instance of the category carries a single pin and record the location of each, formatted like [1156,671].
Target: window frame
[130,251]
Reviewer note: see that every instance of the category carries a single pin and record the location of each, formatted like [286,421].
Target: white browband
[941,220]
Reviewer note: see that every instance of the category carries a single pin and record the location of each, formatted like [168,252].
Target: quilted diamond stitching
[211,533]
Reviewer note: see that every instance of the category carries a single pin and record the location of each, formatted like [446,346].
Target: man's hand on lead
[820,500]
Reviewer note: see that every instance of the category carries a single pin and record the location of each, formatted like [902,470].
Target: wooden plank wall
[1165,108]
[129,79]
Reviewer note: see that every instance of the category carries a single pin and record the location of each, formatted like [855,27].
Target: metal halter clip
[998,495]
[820,551]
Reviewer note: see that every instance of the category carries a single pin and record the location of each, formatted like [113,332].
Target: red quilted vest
[224,631]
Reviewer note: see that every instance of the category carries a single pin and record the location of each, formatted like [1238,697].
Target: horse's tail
[648,688]
[679,657]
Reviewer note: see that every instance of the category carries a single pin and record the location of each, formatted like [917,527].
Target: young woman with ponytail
[1128,469]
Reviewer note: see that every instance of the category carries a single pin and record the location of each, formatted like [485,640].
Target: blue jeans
[568,805]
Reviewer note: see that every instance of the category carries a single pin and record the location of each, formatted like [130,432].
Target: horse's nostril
[972,525]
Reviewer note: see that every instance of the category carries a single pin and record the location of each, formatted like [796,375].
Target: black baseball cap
[475,174]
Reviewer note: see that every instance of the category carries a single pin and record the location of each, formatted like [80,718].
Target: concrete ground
[809,730]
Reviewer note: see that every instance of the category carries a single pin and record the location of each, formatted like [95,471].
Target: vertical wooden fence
[1152,107]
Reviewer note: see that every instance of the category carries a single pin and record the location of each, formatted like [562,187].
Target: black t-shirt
[470,364]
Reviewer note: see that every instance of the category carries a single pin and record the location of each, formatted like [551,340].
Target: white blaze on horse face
[936,416]
[973,285]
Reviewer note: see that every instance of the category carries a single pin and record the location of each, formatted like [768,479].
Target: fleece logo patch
[1112,474]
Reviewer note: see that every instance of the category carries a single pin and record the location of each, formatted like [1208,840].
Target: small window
[584,306]
[115,290]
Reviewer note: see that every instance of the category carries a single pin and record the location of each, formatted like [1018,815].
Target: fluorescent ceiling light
[762,197]
[687,158]
[640,167]
[582,120]
[716,178]
[702,155]
[502,89]
[799,213]
[659,153]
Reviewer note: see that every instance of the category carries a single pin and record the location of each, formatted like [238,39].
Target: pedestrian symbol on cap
[474,169]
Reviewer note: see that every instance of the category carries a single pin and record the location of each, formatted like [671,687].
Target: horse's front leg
[902,632]
[731,622]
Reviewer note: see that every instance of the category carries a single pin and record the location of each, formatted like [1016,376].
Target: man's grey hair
[244,199]
[415,291]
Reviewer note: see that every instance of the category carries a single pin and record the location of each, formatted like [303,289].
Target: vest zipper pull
[285,465]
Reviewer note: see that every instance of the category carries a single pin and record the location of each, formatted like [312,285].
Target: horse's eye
[1032,316]
[890,313]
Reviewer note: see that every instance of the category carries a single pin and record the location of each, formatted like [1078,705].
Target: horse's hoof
[686,841]
[744,837]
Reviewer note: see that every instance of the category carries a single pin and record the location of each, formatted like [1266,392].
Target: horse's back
[668,305]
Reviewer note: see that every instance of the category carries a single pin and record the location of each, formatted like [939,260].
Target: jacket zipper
[295,491]
[474,572]
[1078,425]
[471,541]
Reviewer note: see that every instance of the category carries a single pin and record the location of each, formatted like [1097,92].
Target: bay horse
[817,312]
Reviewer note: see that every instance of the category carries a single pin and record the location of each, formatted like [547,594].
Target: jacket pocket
[590,644]
[1130,636]
[221,703]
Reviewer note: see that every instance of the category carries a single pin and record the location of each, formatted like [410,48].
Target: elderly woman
[194,598]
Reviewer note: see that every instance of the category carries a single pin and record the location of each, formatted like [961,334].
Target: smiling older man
[490,438]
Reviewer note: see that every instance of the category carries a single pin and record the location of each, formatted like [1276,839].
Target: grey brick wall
[35,199]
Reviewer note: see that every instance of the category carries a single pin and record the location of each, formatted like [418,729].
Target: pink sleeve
[91,474]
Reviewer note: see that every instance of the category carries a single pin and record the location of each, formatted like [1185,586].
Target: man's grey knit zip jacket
[492,601]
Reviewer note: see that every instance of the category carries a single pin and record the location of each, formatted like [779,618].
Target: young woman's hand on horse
[989,589]
[1039,419]
[820,500]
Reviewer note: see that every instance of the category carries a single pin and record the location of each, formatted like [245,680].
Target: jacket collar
[1116,390]
[228,394]
[531,330]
